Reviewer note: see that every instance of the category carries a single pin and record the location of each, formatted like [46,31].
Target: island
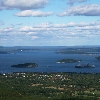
[98,58]
[68,61]
[25,65]
[3,52]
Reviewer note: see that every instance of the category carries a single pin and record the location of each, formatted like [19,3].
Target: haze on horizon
[49,22]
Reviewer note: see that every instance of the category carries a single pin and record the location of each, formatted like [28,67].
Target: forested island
[68,61]
[50,86]
[25,65]
[3,52]
[98,57]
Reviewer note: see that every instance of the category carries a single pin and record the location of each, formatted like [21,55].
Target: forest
[49,86]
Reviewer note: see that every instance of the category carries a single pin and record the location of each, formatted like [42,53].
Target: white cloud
[34,37]
[31,33]
[26,28]
[48,24]
[71,2]
[6,30]
[28,13]
[83,10]
[49,31]
[1,8]
[22,4]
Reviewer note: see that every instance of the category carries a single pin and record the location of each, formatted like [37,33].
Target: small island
[25,65]
[68,61]
[98,58]
[3,52]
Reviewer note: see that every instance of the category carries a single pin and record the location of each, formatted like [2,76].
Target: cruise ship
[85,66]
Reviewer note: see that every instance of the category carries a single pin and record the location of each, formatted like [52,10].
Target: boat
[85,66]
[79,66]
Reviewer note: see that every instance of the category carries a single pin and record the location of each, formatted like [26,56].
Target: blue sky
[49,22]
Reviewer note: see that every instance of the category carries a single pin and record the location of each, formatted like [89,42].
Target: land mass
[49,86]
[98,57]
[68,61]
[3,52]
[25,65]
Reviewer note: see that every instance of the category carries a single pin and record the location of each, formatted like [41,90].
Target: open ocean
[46,58]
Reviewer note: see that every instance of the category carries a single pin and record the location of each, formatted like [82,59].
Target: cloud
[49,31]
[29,13]
[22,4]
[71,2]
[6,30]
[83,10]
[1,8]
[50,28]
[34,37]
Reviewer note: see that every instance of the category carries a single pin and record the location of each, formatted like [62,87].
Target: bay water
[46,60]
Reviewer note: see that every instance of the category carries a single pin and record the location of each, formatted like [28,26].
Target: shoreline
[50,73]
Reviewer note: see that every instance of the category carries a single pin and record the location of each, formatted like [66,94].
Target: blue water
[46,60]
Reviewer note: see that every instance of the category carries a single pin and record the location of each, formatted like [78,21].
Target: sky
[49,22]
